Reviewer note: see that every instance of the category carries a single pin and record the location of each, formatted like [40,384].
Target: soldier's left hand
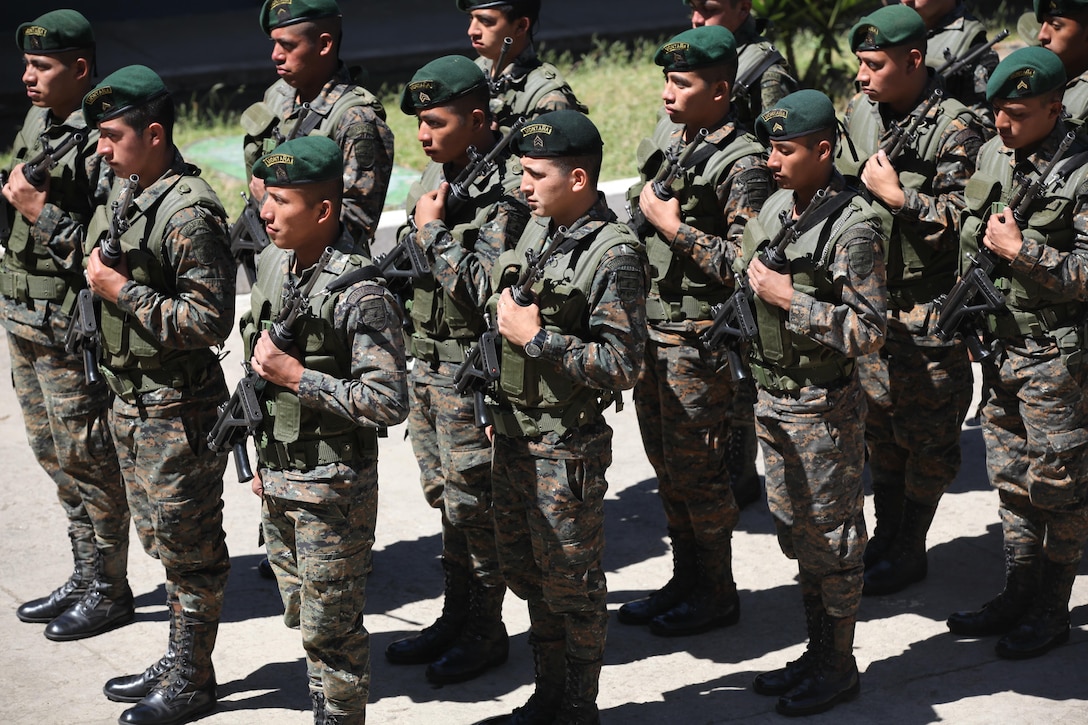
[25,198]
[664,215]
[516,323]
[772,287]
[274,365]
[105,281]
[881,178]
[1003,237]
[431,206]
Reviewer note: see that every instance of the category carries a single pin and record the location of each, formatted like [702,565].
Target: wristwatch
[535,347]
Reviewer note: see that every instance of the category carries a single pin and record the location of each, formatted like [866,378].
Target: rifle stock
[954,65]
[82,335]
[479,370]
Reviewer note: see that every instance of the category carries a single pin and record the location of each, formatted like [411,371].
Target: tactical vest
[1075,99]
[917,273]
[27,270]
[266,128]
[292,436]
[522,94]
[780,359]
[132,359]
[751,55]
[680,290]
[444,327]
[1032,309]
[544,398]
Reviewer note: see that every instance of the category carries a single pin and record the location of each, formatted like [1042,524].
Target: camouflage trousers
[549,522]
[68,432]
[454,457]
[321,554]
[175,489]
[1035,424]
[918,396]
[814,451]
[684,402]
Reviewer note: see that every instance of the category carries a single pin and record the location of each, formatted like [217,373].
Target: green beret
[129,87]
[1058,7]
[558,133]
[524,8]
[697,48]
[304,160]
[1026,72]
[441,81]
[887,27]
[798,114]
[55,32]
[281,13]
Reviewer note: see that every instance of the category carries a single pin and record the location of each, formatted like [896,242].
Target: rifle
[248,236]
[959,304]
[110,251]
[734,320]
[495,83]
[534,267]
[900,136]
[675,162]
[953,65]
[479,370]
[36,171]
[240,416]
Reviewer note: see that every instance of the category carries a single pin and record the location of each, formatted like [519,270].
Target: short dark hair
[478,97]
[159,110]
[590,162]
[724,71]
[529,10]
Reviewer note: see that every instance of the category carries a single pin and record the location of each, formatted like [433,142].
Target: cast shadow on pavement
[274,685]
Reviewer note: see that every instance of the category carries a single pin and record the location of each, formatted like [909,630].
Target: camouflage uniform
[157,359]
[1035,421]
[317,452]
[918,386]
[552,445]
[348,114]
[528,87]
[957,33]
[774,83]
[1075,98]
[684,396]
[40,273]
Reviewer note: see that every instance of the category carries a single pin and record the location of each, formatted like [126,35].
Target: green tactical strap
[361,444]
[791,380]
[19,285]
[534,422]
[435,351]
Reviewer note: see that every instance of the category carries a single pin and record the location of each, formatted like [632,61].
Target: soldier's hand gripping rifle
[953,65]
[734,320]
[82,334]
[36,171]
[974,294]
[240,416]
[479,370]
[675,162]
[248,237]
[903,135]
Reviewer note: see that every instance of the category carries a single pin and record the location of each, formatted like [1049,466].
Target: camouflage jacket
[528,87]
[1076,97]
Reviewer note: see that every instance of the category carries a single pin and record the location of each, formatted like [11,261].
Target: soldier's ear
[81,69]
[521,27]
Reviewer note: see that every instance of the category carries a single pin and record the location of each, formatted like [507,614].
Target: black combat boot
[106,605]
[713,603]
[1045,625]
[344,718]
[1000,614]
[833,679]
[782,680]
[676,590]
[317,699]
[428,645]
[133,688]
[905,562]
[542,708]
[888,498]
[84,553]
[188,689]
[483,643]
[579,705]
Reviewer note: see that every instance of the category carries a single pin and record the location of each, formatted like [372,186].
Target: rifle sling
[744,85]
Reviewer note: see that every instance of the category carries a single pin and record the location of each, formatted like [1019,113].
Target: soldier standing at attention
[1064,31]
[168,301]
[449,96]
[952,32]
[40,274]
[565,357]
[317,447]
[526,86]
[815,318]
[918,386]
[318,94]
[684,394]
[770,81]
[1035,421]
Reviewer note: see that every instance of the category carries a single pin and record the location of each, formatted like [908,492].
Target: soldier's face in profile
[444,133]
[291,215]
[294,54]
[881,73]
[1067,38]
[126,150]
[547,187]
[1024,122]
[488,27]
[799,163]
[689,97]
[49,81]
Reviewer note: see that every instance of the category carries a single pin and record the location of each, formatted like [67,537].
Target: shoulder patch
[861,258]
[365,143]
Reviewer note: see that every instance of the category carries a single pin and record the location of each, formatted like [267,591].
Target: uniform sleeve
[933,217]
[199,311]
[561,99]
[465,273]
[775,84]
[741,196]
[612,357]
[376,393]
[854,324]
[58,230]
[1065,274]
[367,142]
